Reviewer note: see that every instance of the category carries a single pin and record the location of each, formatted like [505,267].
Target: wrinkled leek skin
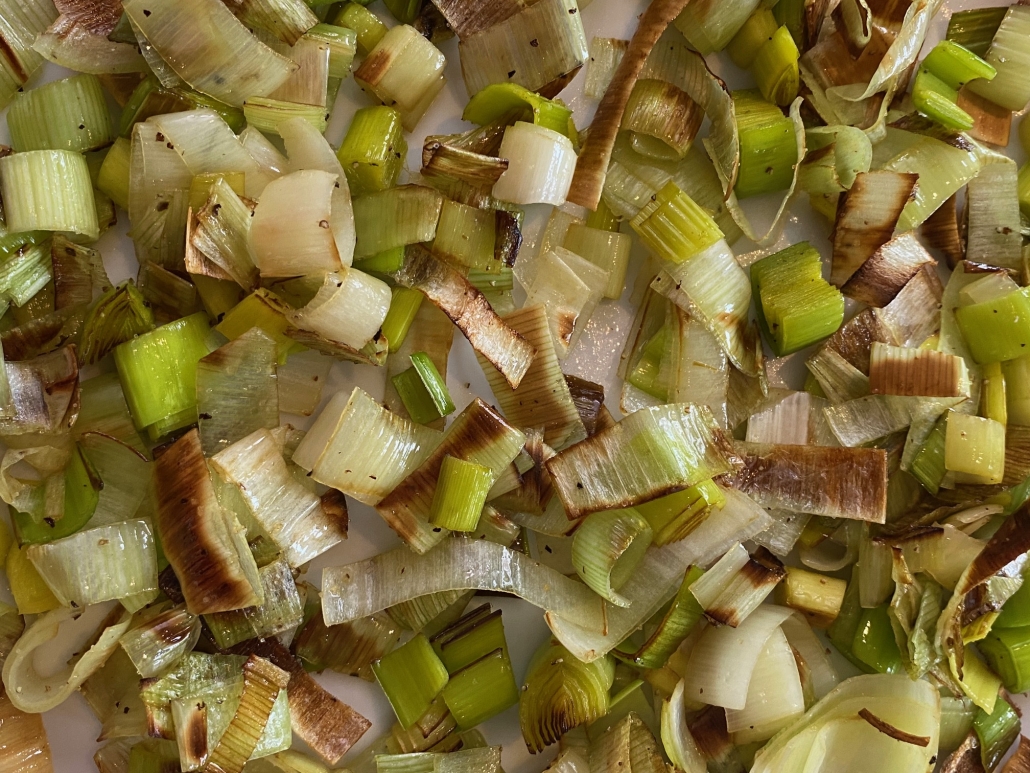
[48,190]
[69,114]
[411,676]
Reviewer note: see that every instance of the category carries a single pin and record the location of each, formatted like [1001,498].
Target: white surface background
[72,728]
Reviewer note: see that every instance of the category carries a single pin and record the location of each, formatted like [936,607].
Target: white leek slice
[31,691]
[813,652]
[95,565]
[291,232]
[207,145]
[992,212]
[649,453]
[774,695]
[1010,88]
[349,307]
[308,149]
[659,576]
[713,286]
[362,588]
[291,515]
[210,48]
[676,738]
[158,643]
[735,585]
[541,163]
[158,178]
[267,155]
[831,735]
[358,447]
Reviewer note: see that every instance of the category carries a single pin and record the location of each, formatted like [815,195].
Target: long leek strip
[293,517]
[505,349]
[649,453]
[349,308]
[358,447]
[262,683]
[205,544]
[942,168]
[28,690]
[592,166]
[660,574]
[111,562]
[714,285]
[69,114]
[48,190]
[477,435]
[44,393]
[992,211]
[887,270]
[1009,88]
[405,71]
[734,587]
[836,482]
[358,590]
[867,215]
[219,58]
[24,740]
[542,398]
[899,371]
[237,391]
[329,726]
[907,707]
[157,644]
[208,145]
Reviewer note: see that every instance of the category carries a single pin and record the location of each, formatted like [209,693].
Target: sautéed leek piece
[731,471]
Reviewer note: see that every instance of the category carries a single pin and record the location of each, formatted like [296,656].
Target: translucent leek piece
[118,315]
[541,44]
[997,330]
[301,381]
[405,71]
[411,676]
[23,22]
[423,391]
[280,611]
[774,697]
[663,116]
[1007,652]
[265,310]
[220,57]
[343,45]
[974,29]
[796,306]
[481,690]
[369,28]
[25,273]
[541,163]
[1011,87]
[501,100]
[205,545]
[158,373]
[114,173]
[607,548]
[288,20]
[775,68]
[357,590]
[896,370]
[608,249]
[361,449]
[349,308]
[237,391]
[76,505]
[31,595]
[673,227]
[645,455]
[976,447]
[394,218]
[374,150]
[816,596]
[349,648]
[48,190]
[266,114]
[676,516]
[289,512]
[158,643]
[69,114]
[768,151]
[404,308]
[736,584]
[711,28]
[26,745]
[466,236]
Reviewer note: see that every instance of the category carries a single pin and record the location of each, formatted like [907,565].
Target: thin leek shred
[562,693]
[477,435]
[234,64]
[992,211]
[471,313]
[223,577]
[237,391]
[24,739]
[31,692]
[660,574]
[357,590]
[293,517]
[542,398]
[878,281]
[361,449]
[867,215]
[491,54]
[734,587]
[95,565]
[836,482]
[650,453]
[158,643]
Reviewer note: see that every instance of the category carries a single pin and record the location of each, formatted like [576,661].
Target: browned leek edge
[941,231]
[887,271]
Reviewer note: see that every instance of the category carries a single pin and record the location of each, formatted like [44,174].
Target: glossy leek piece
[460,494]
[404,306]
[676,516]
[481,690]
[411,676]
[768,150]
[69,114]
[374,149]
[369,29]
[975,447]
[776,68]
[501,100]
[423,390]
[997,330]
[607,548]
[817,596]
[675,228]
[1007,652]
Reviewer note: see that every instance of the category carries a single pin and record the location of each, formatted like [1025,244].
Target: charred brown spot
[9,54]
[194,734]
[375,66]
[710,733]
[334,506]
[889,730]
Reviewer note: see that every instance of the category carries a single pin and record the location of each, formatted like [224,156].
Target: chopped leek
[460,494]
[768,153]
[68,114]
[48,190]
[607,548]
[675,228]
[411,676]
